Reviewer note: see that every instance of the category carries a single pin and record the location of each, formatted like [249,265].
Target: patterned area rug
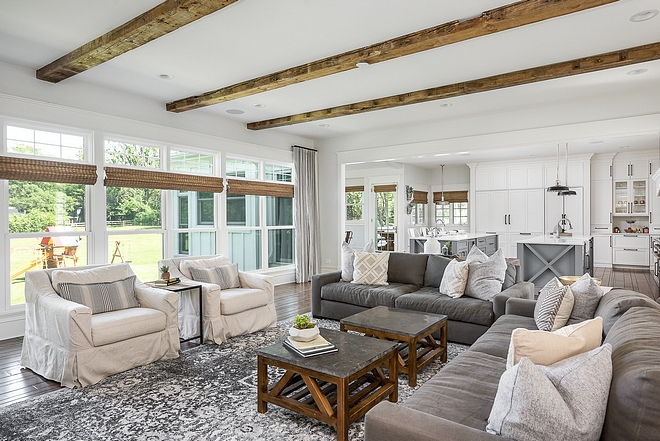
[208,393]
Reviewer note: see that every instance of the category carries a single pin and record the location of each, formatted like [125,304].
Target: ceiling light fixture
[644,15]
[442,154]
[166,77]
[596,141]
[362,64]
[442,186]
[637,71]
[259,106]
[235,111]
[568,192]
[446,105]
[324,125]
[463,153]
[557,187]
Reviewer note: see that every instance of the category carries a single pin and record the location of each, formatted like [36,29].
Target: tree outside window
[354,205]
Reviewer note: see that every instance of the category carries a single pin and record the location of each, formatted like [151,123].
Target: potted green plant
[164,272]
[303,329]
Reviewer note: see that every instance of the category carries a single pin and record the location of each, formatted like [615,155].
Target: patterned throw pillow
[226,276]
[454,279]
[549,306]
[371,268]
[567,399]
[587,297]
[102,297]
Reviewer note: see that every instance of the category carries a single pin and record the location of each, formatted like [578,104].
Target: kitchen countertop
[456,237]
[551,240]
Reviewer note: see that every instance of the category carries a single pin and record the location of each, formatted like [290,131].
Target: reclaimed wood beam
[500,19]
[625,57]
[158,21]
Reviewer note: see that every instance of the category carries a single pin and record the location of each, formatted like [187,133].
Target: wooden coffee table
[336,388]
[413,329]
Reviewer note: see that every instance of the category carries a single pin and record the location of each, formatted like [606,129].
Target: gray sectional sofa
[413,283]
[456,402]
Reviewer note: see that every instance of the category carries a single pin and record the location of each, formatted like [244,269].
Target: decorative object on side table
[304,329]
[164,272]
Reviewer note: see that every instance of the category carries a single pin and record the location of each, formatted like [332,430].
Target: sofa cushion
[616,302]
[103,296]
[225,276]
[462,392]
[633,405]
[454,279]
[233,301]
[186,264]
[111,327]
[485,275]
[107,273]
[495,342]
[365,295]
[370,268]
[587,296]
[566,400]
[463,309]
[407,268]
[435,269]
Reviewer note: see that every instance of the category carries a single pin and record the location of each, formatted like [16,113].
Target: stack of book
[318,346]
[167,282]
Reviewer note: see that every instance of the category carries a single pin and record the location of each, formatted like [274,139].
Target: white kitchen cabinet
[635,168]
[602,250]
[630,197]
[490,178]
[491,211]
[524,177]
[631,249]
[574,211]
[654,201]
[601,171]
[601,206]
[576,173]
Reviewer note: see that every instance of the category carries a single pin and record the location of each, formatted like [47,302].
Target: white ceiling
[251,38]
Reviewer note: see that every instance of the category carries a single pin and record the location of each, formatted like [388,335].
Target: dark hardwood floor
[18,384]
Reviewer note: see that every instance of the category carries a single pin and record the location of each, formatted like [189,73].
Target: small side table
[187,286]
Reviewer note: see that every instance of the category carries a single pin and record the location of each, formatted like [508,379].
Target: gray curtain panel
[306,213]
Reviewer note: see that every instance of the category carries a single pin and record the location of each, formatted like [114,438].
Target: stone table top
[398,321]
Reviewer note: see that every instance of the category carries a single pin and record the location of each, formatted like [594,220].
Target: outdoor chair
[226,312]
[77,345]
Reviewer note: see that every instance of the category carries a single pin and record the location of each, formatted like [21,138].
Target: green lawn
[141,251]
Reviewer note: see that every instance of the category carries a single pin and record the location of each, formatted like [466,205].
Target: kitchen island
[544,257]
[458,244]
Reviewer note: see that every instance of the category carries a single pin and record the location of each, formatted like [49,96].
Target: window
[455,213]
[124,153]
[418,214]
[240,168]
[44,143]
[191,162]
[279,219]
[278,173]
[354,205]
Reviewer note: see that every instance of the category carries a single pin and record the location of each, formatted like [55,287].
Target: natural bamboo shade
[128,177]
[385,188]
[27,169]
[451,196]
[420,197]
[352,188]
[259,188]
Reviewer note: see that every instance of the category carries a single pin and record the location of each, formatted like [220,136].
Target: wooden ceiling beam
[506,17]
[158,21]
[639,54]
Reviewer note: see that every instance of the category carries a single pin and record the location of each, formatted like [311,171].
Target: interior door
[385,217]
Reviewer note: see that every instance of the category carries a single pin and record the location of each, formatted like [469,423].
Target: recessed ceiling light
[637,71]
[446,105]
[624,147]
[166,77]
[463,153]
[644,15]
[362,64]
[532,155]
[442,154]
[235,111]
[324,125]
[596,141]
[259,106]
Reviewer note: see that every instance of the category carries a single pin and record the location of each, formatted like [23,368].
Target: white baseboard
[12,324]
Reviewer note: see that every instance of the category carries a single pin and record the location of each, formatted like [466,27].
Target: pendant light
[558,187]
[442,186]
[568,191]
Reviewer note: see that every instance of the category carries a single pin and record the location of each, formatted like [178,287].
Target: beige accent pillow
[454,279]
[370,268]
[185,265]
[108,273]
[545,348]
[564,311]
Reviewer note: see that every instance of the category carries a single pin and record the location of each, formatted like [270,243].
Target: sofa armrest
[159,299]
[521,290]
[318,281]
[258,281]
[524,307]
[392,422]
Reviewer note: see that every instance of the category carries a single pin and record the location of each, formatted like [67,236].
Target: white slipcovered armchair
[65,342]
[227,312]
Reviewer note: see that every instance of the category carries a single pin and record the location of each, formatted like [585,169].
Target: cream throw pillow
[454,279]
[545,348]
[186,264]
[370,268]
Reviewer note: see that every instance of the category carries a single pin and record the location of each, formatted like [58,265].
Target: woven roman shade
[420,197]
[128,177]
[259,188]
[353,188]
[27,169]
[451,196]
[385,188]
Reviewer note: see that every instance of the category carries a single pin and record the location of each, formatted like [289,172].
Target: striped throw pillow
[549,303]
[102,297]
[226,276]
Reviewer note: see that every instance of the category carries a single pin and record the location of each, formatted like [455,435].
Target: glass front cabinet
[630,197]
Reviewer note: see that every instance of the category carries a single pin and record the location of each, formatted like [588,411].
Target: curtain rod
[306,148]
